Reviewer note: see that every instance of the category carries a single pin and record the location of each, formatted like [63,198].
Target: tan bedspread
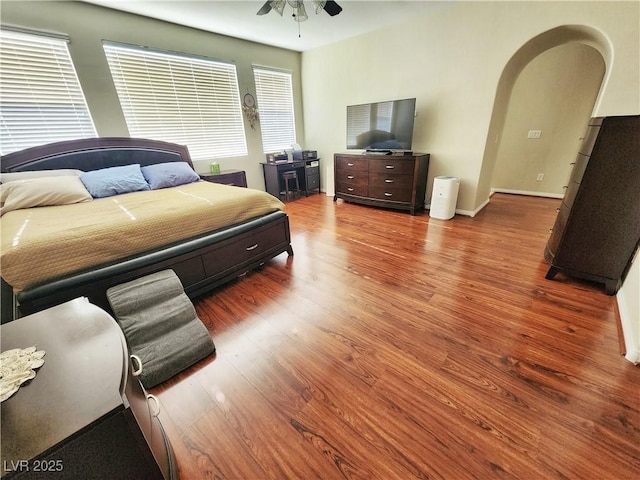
[42,243]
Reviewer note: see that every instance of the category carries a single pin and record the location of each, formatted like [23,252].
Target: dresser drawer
[589,140]
[351,164]
[392,165]
[313,182]
[558,229]
[579,168]
[352,178]
[576,177]
[312,170]
[570,194]
[394,194]
[360,189]
[145,409]
[388,180]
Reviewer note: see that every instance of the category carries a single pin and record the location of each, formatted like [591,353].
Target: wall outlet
[534,134]
[540,177]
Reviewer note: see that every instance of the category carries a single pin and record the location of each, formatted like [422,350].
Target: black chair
[286,177]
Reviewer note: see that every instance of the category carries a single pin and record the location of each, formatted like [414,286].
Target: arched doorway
[558,49]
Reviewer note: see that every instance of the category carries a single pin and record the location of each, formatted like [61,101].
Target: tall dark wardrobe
[597,231]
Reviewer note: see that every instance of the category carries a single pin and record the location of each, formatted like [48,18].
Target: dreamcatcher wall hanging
[250,110]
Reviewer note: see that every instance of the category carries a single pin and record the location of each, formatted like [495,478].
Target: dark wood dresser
[597,229]
[84,415]
[392,181]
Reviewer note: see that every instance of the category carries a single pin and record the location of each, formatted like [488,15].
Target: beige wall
[461,64]
[452,60]
[554,93]
[87,25]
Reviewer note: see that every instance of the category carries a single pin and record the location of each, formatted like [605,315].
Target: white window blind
[185,100]
[40,97]
[275,107]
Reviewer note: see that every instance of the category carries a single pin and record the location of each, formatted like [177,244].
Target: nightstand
[227,177]
[84,414]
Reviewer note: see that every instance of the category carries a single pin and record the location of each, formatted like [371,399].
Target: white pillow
[14,176]
[42,191]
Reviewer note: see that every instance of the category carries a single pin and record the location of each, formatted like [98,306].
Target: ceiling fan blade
[266,8]
[332,8]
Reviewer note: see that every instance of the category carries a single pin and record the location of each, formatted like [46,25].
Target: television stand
[396,181]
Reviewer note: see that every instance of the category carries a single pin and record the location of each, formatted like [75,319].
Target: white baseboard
[525,192]
[473,213]
[631,341]
[468,213]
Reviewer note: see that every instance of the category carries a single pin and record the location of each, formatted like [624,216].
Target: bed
[86,247]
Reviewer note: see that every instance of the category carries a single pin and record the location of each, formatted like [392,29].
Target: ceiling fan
[299,12]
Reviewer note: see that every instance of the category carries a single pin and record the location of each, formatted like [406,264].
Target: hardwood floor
[399,347]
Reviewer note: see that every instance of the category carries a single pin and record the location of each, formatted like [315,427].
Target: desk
[308,176]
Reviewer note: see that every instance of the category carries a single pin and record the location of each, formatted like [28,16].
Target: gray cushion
[160,324]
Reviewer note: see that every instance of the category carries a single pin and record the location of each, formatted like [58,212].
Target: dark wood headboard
[95,153]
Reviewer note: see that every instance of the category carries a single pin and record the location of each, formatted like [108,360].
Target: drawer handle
[551,230]
[388,194]
[350,189]
[388,181]
[136,370]
[252,247]
[390,166]
[565,187]
[350,177]
[558,210]
[154,411]
[349,164]
[572,163]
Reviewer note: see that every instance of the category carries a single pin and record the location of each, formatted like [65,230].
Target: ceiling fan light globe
[319,5]
[278,6]
[294,3]
[300,14]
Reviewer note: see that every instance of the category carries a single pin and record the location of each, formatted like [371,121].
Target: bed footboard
[202,264]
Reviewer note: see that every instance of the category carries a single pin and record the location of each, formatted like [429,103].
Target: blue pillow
[107,182]
[170,174]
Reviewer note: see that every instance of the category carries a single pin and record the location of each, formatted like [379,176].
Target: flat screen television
[381,126]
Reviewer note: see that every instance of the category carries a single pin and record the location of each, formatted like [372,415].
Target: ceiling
[237,18]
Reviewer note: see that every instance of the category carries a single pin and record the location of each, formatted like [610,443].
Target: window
[275,107]
[187,100]
[41,100]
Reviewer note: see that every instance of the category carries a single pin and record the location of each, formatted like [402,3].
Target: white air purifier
[444,197]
